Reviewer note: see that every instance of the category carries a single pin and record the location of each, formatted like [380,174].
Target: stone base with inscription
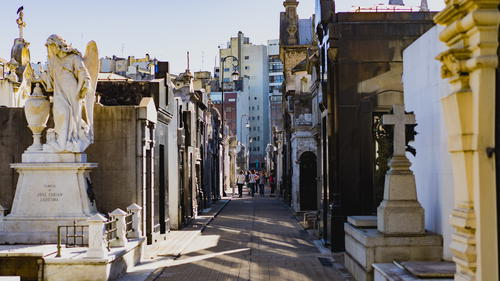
[48,194]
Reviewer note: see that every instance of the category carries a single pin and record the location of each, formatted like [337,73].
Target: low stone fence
[103,234]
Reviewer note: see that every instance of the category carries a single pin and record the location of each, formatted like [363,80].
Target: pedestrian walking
[240,181]
[262,183]
[251,182]
[257,181]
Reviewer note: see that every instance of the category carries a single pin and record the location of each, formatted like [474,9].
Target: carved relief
[453,62]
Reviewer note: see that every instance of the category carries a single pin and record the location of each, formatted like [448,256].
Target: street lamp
[235,76]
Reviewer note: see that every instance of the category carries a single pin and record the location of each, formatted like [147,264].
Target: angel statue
[73,80]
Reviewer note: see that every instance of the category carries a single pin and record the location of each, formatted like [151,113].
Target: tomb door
[307,182]
[182,206]
[325,198]
[162,191]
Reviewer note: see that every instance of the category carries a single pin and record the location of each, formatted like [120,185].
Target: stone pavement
[174,242]
[252,239]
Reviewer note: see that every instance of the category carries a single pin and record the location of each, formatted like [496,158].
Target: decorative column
[121,228]
[97,245]
[470,63]
[136,220]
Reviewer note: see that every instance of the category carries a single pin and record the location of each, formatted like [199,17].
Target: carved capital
[332,53]
[453,62]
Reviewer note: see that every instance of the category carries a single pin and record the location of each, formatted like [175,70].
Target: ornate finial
[424,7]
[20,22]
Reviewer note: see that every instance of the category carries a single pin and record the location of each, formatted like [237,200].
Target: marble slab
[392,272]
[430,269]
[50,157]
[363,221]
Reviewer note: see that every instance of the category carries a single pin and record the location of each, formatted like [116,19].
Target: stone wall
[114,150]
[423,90]
[15,137]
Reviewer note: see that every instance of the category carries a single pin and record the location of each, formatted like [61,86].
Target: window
[226,69]
[255,98]
[258,117]
[276,79]
[258,148]
[247,57]
[253,117]
[258,128]
[274,88]
[229,109]
[253,108]
[247,67]
[257,107]
[226,80]
[258,138]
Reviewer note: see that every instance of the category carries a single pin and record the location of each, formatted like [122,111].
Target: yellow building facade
[470,63]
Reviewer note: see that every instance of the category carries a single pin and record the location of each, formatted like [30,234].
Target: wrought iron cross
[399,119]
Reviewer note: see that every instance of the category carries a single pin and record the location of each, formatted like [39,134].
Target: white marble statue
[74,87]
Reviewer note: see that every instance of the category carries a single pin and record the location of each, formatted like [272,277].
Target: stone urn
[37,110]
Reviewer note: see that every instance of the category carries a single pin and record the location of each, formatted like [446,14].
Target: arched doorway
[307,182]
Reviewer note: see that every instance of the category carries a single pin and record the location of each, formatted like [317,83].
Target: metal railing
[100,233]
[110,232]
[71,237]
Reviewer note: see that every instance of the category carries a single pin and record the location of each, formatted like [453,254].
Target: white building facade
[253,65]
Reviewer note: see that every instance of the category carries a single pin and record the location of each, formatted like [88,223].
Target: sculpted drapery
[69,79]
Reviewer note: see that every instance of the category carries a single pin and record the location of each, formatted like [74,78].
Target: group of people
[255,179]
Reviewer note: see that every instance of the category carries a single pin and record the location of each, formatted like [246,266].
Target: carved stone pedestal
[366,246]
[48,194]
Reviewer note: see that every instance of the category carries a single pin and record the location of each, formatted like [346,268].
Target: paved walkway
[252,239]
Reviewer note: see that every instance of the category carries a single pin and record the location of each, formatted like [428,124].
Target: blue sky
[166,29]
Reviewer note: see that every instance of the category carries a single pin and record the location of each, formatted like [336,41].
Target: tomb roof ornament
[20,22]
[424,7]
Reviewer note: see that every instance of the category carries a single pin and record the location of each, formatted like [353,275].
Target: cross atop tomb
[399,119]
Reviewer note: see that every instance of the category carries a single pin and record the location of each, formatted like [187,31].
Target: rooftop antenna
[187,61]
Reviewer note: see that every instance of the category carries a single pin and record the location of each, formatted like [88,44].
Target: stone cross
[399,119]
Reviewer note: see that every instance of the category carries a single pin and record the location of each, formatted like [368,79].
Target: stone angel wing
[25,89]
[91,61]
